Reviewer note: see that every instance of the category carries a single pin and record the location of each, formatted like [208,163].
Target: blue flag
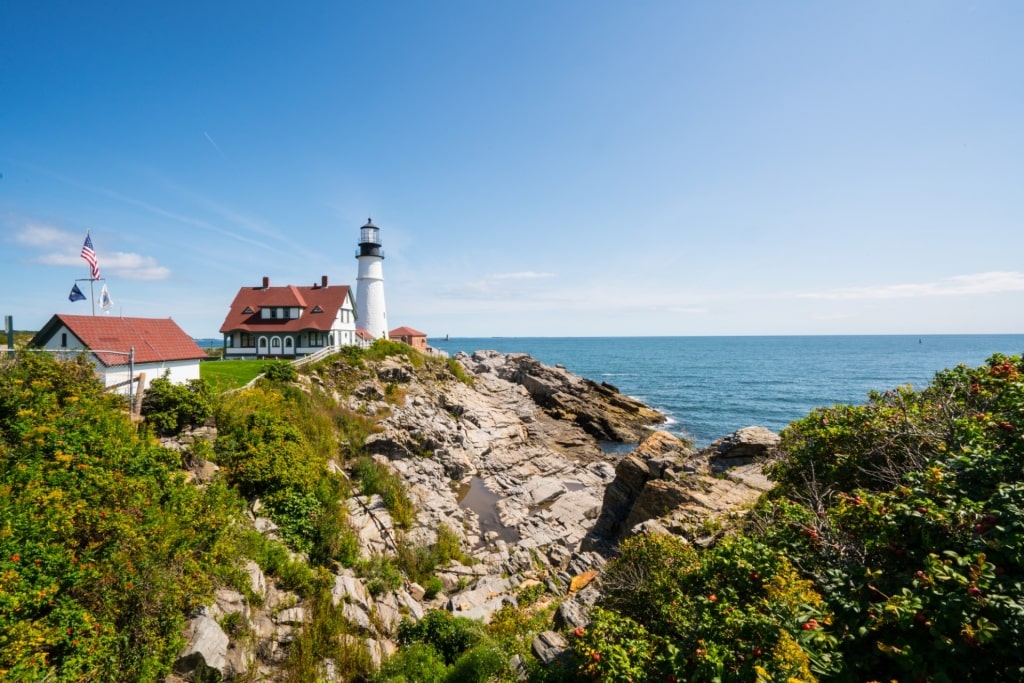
[76,294]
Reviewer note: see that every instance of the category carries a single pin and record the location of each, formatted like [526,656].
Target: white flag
[105,302]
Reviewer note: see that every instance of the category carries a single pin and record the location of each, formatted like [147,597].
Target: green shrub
[448,634]
[417,663]
[104,547]
[432,586]
[169,408]
[280,371]
[381,574]
[482,663]
[734,611]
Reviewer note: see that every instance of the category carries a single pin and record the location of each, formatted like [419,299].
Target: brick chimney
[323,281]
[266,282]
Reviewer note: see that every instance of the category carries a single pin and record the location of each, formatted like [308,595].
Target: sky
[535,167]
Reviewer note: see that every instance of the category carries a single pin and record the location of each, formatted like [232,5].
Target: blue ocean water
[711,386]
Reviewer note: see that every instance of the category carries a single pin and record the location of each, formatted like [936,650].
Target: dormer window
[248,310]
[317,309]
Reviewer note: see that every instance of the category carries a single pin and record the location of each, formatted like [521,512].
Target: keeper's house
[119,346]
[289,321]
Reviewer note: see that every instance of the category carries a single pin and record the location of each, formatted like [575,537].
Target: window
[63,340]
[317,309]
[263,343]
[287,342]
[275,342]
[273,313]
[247,310]
[246,340]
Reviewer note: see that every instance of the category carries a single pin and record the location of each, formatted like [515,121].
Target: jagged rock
[549,646]
[227,601]
[206,650]
[257,581]
[485,598]
[357,616]
[742,446]
[571,614]
[292,616]
[350,589]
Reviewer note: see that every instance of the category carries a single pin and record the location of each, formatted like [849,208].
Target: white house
[125,345]
[289,321]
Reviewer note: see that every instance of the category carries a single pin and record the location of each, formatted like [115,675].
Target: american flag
[90,257]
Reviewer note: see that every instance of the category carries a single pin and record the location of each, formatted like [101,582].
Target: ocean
[709,387]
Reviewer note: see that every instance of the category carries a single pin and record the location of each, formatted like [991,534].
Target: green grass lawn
[224,375]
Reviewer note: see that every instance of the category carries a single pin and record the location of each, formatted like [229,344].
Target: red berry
[596,656]
[712,598]
[974,591]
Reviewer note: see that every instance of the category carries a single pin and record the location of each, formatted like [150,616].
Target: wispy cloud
[215,146]
[501,284]
[960,285]
[65,249]
[524,275]
[39,235]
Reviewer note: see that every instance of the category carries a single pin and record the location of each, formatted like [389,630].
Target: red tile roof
[406,332]
[154,339]
[363,334]
[328,299]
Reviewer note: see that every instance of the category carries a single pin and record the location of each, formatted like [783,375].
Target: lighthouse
[370,313]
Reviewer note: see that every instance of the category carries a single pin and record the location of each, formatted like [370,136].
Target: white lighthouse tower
[370,312]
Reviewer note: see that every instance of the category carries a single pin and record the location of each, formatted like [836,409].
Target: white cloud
[65,249]
[960,285]
[39,235]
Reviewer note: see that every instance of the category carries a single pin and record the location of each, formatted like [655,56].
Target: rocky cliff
[516,463]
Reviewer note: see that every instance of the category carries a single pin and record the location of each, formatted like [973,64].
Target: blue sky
[536,168]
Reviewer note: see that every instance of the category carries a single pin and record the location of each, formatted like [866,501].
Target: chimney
[323,280]
[266,282]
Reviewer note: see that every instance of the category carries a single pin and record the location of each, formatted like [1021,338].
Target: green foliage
[327,635]
[375,478]
[449,635]
[735,611]
[417,663]
[104,547]
[169,408]
[385,348]
[297,514]
[419,563]
[381,574]
[455,367]
[279,371]
[906,510]
[480,664]
[274,444]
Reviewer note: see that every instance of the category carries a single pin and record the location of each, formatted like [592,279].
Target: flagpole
[92,296]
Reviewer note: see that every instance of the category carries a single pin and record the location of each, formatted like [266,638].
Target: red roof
[363,334]
[320,308]
[406,332]
[154,339]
